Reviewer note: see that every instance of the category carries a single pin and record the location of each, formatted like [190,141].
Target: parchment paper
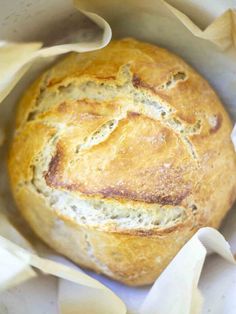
[158,22]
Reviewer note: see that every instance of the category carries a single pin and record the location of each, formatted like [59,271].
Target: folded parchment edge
[221,32]
[205,240]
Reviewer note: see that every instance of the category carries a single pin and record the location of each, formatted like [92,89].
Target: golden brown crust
[133,130]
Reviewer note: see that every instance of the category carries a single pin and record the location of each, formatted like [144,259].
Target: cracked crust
[119,156]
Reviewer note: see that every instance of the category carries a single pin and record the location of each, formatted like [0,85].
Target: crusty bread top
[127,130]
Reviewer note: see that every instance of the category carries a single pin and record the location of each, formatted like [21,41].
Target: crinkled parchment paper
[206,38]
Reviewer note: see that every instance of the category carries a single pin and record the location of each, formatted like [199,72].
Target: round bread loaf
[120,156]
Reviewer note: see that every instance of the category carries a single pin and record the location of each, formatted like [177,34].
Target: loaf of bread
[119,156]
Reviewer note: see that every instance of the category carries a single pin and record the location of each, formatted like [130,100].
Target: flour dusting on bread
[119,156]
